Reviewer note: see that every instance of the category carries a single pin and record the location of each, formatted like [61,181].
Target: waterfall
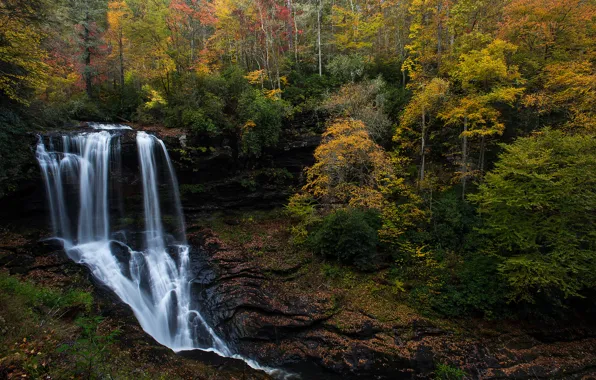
[149,274]
[152,280]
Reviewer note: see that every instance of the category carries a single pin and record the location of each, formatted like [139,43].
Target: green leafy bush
[474,289]
[91,350]
[447,372]
[349,236]
[453,223]
[344,68]
[17,163]
[539,212]
[302,208]
[262,121]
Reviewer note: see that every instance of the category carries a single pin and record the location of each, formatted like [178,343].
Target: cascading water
[151,274]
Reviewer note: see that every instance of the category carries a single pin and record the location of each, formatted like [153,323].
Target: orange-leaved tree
[352,170]
[350,167]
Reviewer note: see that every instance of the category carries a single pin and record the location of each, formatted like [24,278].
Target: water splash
[151,276]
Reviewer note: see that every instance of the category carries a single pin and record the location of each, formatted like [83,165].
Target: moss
[38,297]
[447,372]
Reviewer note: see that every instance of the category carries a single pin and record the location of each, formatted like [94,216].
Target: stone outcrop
[210,173]
[265,318]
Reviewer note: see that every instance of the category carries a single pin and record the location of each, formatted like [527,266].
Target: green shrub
[453,223]
[474,289]
[197,121]
[275,176]
[344,68]
[91,350]
[261,119]
[539,212]
[305,92]
[447,372]
[349,236]
[302,208]
[192,189]
[331,271]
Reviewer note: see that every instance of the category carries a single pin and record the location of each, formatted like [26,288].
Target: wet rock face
[261,316]
[218,179]
[210,173]
[262,320]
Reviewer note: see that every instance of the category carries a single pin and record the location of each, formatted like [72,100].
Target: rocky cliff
[277,312]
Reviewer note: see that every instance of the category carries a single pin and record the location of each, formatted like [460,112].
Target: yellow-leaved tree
[21,58]
[569,91]
[420,111]
[350,167]
[352,170]
[485,81]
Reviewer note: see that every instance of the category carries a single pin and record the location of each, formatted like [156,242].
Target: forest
[457,151]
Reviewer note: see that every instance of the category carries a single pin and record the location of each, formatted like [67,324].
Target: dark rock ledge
[266,319]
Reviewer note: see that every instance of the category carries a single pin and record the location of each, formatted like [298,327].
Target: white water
[152,278]
[102,126]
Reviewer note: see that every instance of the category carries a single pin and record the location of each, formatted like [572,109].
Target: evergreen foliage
[539,210]
[349,236]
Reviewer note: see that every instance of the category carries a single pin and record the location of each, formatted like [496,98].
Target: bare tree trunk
[439,34]
[267,39]
[319,38]
[121,53]
[121,56]
[481,161]
[290,27]
[192,45]
[464,159]
[423,147]
[87,57]
[295,37]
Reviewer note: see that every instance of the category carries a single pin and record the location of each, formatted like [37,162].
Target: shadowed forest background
[458,149]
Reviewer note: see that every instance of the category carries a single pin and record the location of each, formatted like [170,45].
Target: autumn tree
[568,96]
[150,46]
[485,80]
[191,23]
[363,101]
[428,36]
[419,113]
[548,31]
[350,167]
[88,20]
[118,14]
[22,58]
[355,28]
[254,35]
